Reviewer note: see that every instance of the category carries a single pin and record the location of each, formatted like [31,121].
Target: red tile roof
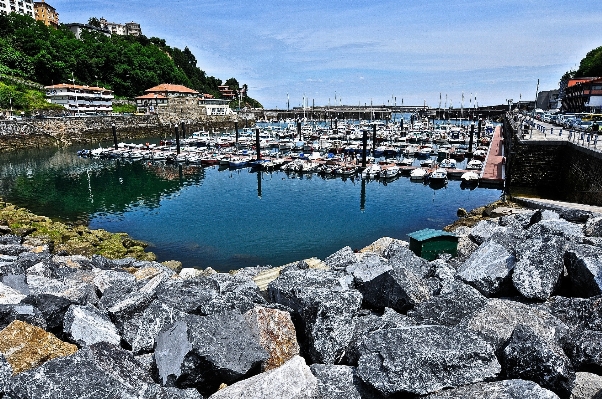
[151,96]
[78,87]
[170,88]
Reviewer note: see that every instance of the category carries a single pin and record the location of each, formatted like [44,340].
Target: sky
[369,51]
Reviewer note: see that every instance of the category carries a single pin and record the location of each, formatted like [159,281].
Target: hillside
[127,65]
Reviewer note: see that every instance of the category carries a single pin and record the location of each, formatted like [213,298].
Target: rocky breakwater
[516,315]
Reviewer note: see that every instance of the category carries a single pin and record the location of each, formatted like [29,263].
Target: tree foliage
[591,65]
[128,65]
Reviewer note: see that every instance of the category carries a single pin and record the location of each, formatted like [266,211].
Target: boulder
[587,385]
[488,269]
[205,351]
[86,325]
[449,308]
[539,268]
[24,312]
[187,295]
[528,356]
[276,334]
[104,279]
[292,380]
[17,282]
[575,215]
[584,267]
[400,256]
[341,382]
[12,249]
[593,227]
[236,292]
[323,310]
[507,389]
[585,350]
[25,346]
[425,359]
[557,227]
[577,313]
[341,259]
[483,231]
[9,239]
[6,372]
[10,296]
[52,308]
[368,268]
[79,292]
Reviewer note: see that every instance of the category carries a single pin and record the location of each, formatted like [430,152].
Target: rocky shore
[517,314]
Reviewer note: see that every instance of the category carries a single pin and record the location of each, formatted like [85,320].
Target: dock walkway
[557,205]
[493,170]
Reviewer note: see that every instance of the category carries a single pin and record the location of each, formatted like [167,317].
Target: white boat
[475,164]
[418,174]
[470,177]
[371,172]
[439,175]
[407,162]
[448,163]
[390,171]
[427,163]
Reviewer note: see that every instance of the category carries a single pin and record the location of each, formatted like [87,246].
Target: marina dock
[493,174]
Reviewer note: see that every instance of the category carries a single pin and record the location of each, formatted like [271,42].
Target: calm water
[227,219]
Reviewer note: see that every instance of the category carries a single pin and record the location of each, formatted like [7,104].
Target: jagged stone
[425,359]
[584,267]
[399,289]
[76,291]
[400,257]
[368,268]
[6,372]
[85,325]
[341,259]
[276,334]
[497,320]
[40,269]
[593,227]
[528,356]
[449,308]
[483,230]
[104,279]
[236,292]
[292,380]
[9,296]
[585,350]
[575,215]
[381,246]
[557,227]
[26,346]
[176,393]
[507,389]
[539,267]
[8,239]
[174,265]
[488,269]
[99,371]
[577,313]
[587,385]
[18,282]
[323,310]
[52,308]
[204,351]
[189,273]
[187,295]
[12,250]
[75,262]
[341,382]
[100,262]
[24,312]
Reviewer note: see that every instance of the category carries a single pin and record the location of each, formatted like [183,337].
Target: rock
[12,250]
[85,325]
[276,334]
[397,289]
[370,267]
[577,313]
[497,320]
[292,380]
[425,359]
[105,279]
[174,265]
[528,356]
[341,259]
[461,213]
[380,246]
[8,239]
[9,296]
[236,292]
[17,282]
[204,351]
[24,312]
[584,267]
[323,310]
[340,382]
[593,227]
[40,269]
[575,215]
[488,269]
[557,227]
[507,389]
[189,273]
[175,393]
[585,350]
[187,295]
[450,307]
[364,325]
[75,291]
[53,308]
[401,257]
[539,268]
[587,385]
[25,346]
[483,230]
[6,372]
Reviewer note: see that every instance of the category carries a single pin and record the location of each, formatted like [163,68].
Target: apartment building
[46,13]
[81,99]
[23,7]
[129,29]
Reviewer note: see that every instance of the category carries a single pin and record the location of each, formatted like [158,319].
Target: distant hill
[125,64]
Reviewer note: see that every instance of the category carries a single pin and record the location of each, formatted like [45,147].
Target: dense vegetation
[127,65]
[591,65]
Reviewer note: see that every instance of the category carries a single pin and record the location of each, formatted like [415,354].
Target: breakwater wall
[65,131]
[558,168]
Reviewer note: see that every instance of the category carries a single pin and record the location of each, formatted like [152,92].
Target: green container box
[429,243]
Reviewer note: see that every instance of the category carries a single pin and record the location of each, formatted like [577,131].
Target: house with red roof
[160,95]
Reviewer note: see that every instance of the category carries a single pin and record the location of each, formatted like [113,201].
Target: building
[81,99]
[215,106]
[583,95]
[166,96]
[23,7]
[131,28]
[159,96]
[227,92]
[548,100]
[77,29]
[46,13]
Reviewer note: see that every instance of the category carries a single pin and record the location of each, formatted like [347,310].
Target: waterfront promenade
[493,169]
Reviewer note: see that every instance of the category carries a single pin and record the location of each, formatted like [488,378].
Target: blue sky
[362,51]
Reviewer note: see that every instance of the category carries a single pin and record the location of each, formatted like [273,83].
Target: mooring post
[114,135]
[374,140]
[401,120]
[299,130]
[336,123]
[471,140]
[257,143]
[183,126]
[480,127]
[177,140]
[236,128]
[364,146]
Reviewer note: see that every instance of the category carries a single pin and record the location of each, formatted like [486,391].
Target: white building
[23,7]
[81,99]
[129,29]
[77,29]
[216,106]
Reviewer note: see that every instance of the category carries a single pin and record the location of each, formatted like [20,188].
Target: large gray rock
[52,307]
[323,310]
[587,385]
[205,351]
[497,320]
[593,227]
[187,295]
[585,350]
[488,269]
[398,288]
[341,259]
[528,356]
[100,371]
[18,282]
[236,292]
[76,291]
[400,256]
[341,382]
[425,359]
[10,296]
[86,325]
[557,227]
[577,313]
[24,312]
[104,279]
[292,380]
[539,268]
[507,389]
[455,302]
[483,231]
[6,372]
[584,267]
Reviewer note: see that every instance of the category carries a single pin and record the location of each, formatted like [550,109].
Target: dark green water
[227,219]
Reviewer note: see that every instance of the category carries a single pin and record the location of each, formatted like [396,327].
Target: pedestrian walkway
[493,170]
[556,205]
